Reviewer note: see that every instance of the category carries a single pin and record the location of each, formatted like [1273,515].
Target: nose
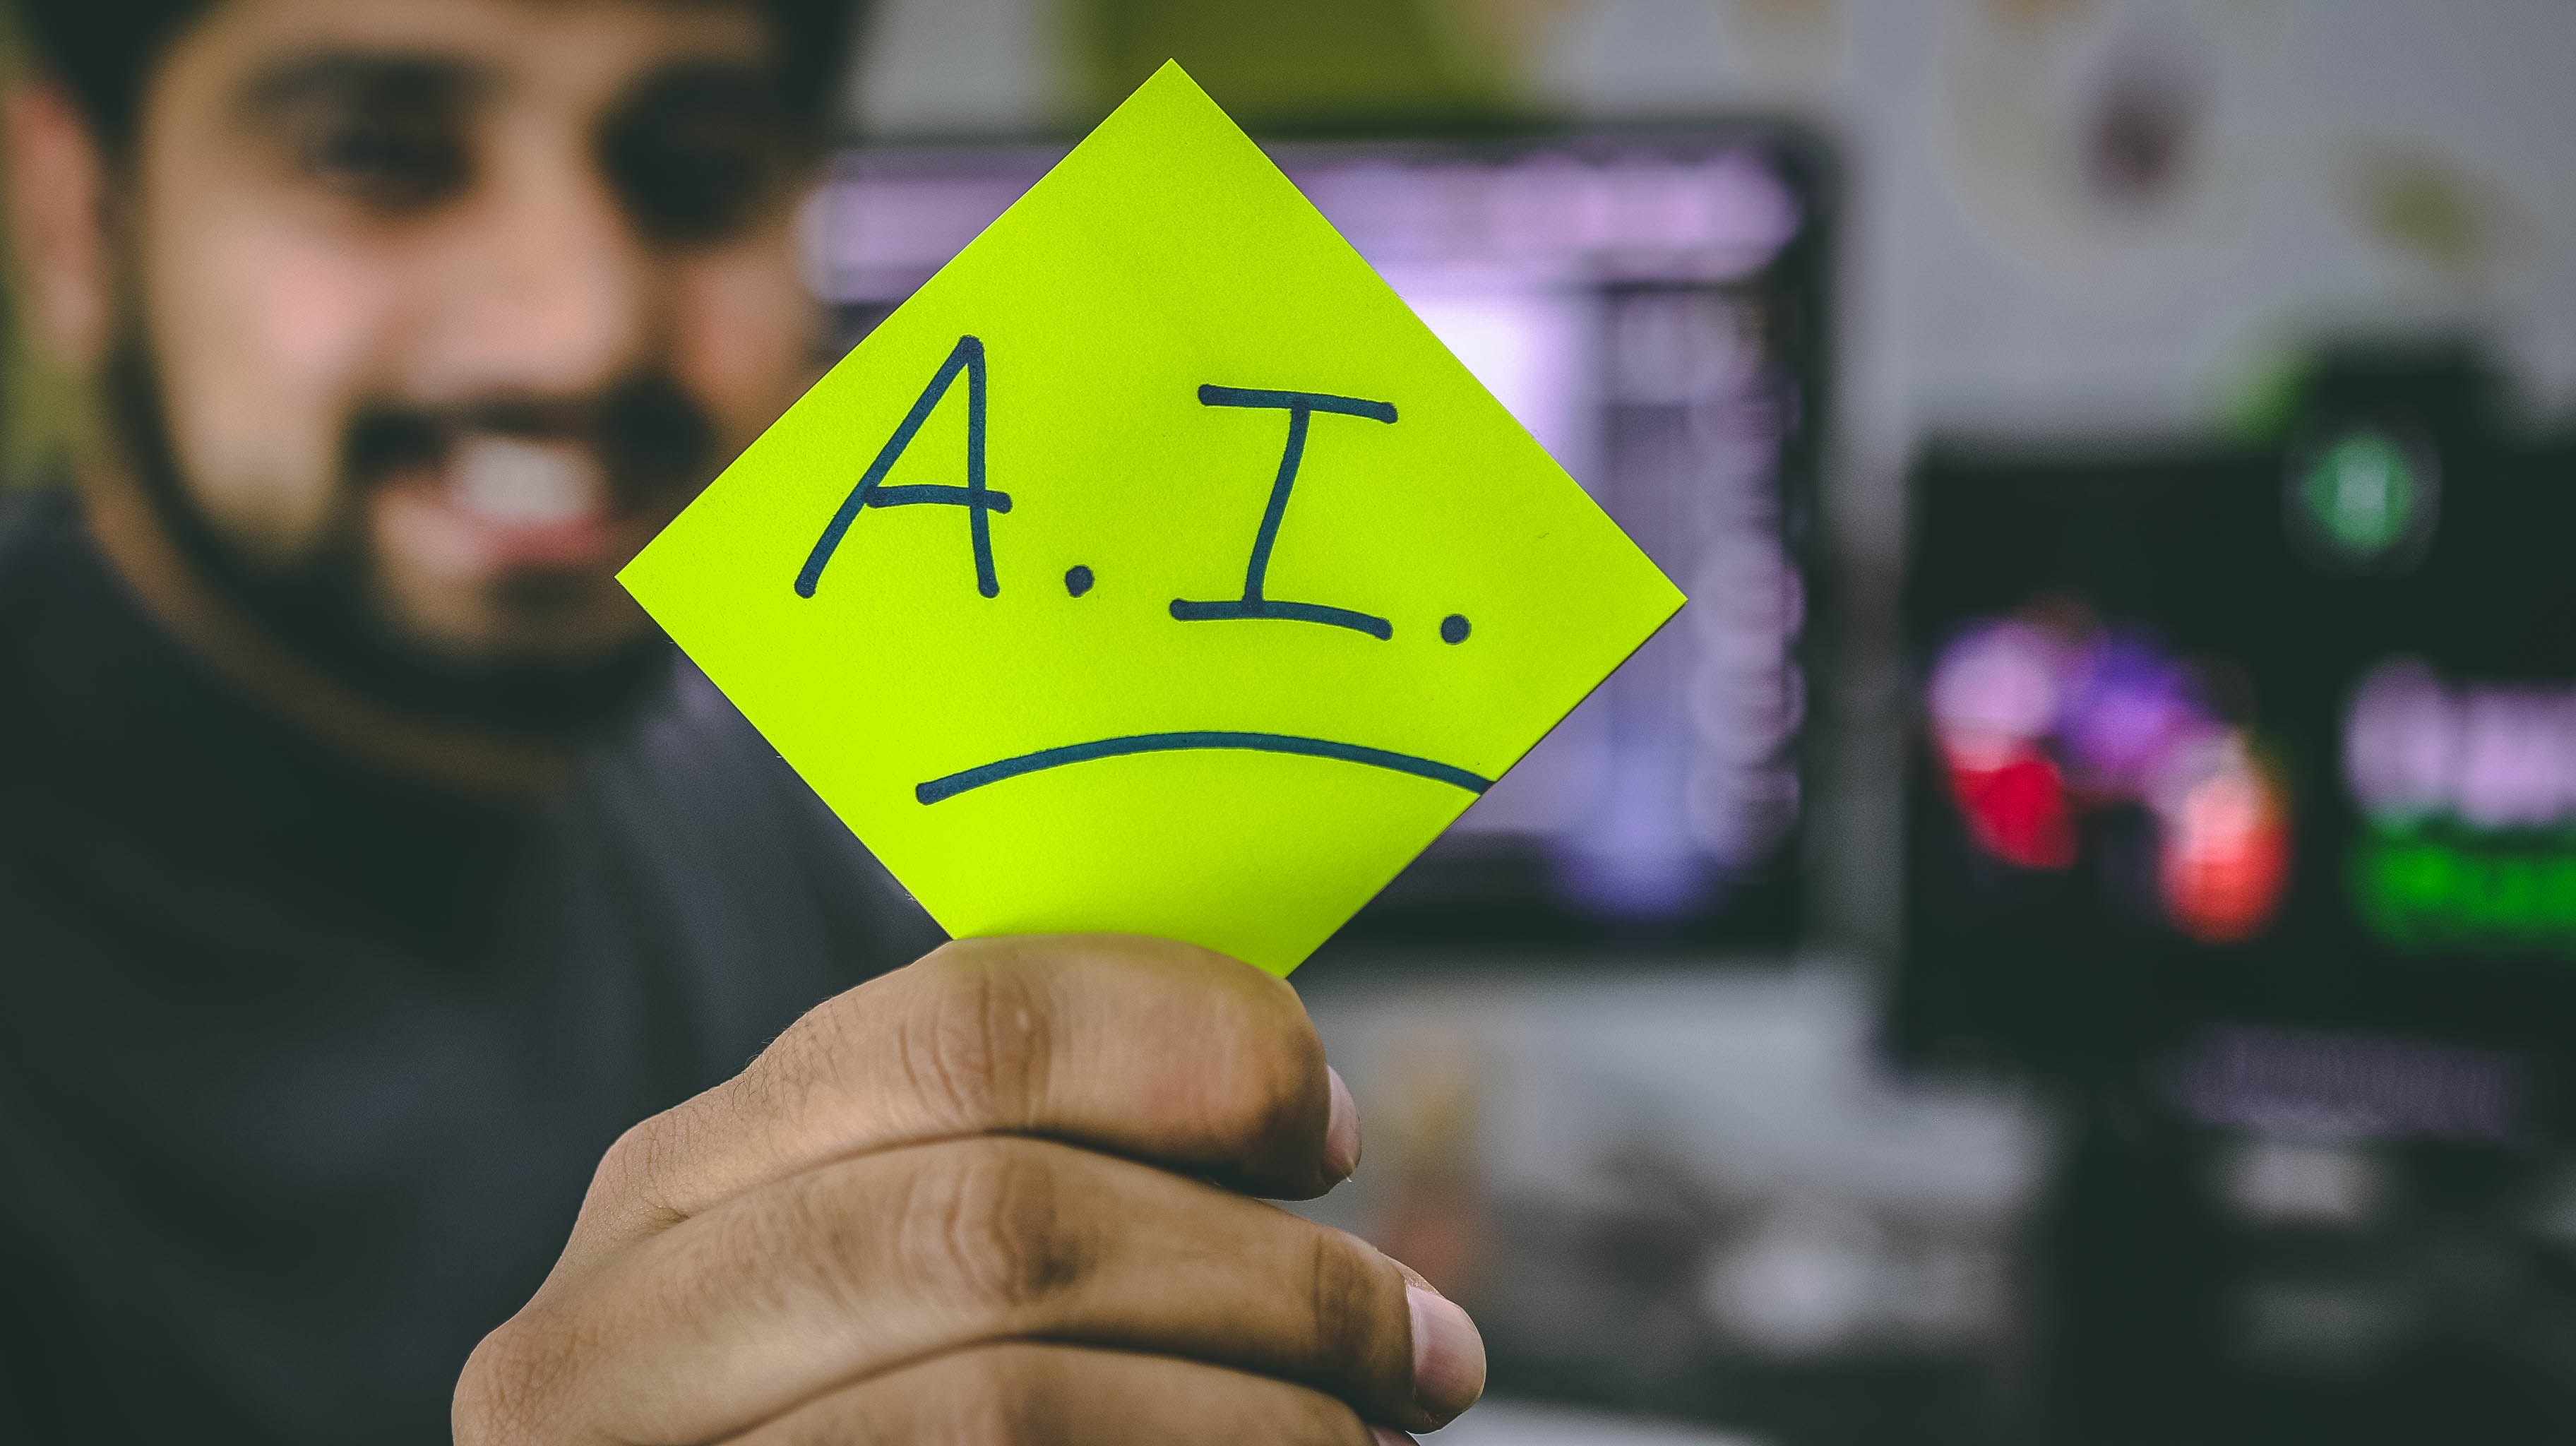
[543,288]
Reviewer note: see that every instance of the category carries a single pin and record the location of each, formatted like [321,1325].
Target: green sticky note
[1153,569]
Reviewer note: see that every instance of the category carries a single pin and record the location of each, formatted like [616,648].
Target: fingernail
[1448,1355]
[1342,1130]
[1385,1437]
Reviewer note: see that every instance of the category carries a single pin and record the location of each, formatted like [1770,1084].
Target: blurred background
[2072,934]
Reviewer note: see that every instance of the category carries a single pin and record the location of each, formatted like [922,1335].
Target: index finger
[1159,1051]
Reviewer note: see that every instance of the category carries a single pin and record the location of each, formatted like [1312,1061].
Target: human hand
[1002,1196]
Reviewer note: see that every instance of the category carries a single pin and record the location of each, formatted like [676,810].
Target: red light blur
[2018,810]
[2225,855]
[2045,718]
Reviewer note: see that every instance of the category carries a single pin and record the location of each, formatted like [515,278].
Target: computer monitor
[1651,306]
[2253,772]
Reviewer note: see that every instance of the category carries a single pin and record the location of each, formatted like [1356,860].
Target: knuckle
[804,1231]
[636,1170]
[1265,1091]
[784,1080]
[1003,1396]
[988,1227]
[500,1397]
[1353,1312]
[972,1046]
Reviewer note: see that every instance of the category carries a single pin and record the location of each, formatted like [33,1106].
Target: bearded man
[382,905]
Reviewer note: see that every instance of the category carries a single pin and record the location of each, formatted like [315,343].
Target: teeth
[522,485]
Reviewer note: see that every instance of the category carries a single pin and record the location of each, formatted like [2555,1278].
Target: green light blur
[2424,893]
[2362,493]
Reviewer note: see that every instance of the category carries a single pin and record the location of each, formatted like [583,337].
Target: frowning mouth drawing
[939,790]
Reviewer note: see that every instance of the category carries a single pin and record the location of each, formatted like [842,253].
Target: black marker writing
[1301,408]
[979,501]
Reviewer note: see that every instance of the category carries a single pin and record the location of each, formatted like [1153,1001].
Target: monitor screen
[1649,305]
[2262,763]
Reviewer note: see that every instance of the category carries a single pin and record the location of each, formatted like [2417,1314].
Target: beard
[328,606]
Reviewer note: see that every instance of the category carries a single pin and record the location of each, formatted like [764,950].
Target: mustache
[322,609]
[650,435]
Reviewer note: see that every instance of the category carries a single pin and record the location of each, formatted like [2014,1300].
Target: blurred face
[439,309]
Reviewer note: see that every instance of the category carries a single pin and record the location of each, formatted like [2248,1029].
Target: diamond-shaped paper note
[1153,570]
